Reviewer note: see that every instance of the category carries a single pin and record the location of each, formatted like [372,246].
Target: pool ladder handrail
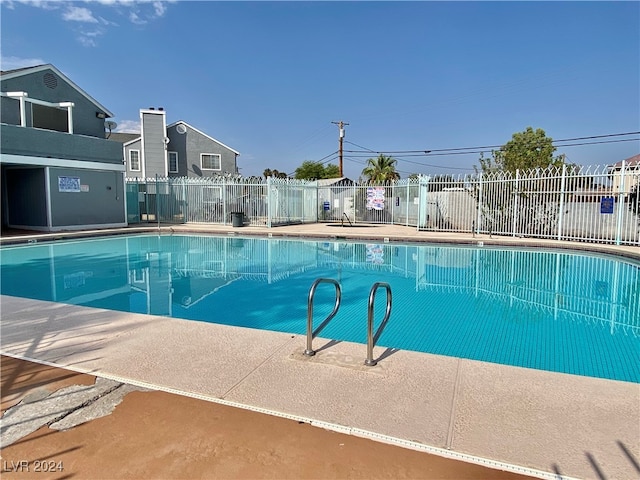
[372,338]
[311,334]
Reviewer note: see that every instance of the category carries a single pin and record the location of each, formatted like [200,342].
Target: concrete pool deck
[529,421]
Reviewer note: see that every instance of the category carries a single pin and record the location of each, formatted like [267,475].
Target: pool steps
[372,338]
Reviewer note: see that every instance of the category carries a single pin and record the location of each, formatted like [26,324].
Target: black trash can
[237,219]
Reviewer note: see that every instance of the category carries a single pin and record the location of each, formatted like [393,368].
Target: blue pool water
[549,310]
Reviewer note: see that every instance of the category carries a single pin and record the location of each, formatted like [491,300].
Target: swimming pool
[549,310]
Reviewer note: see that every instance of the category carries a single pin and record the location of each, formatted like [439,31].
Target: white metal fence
[263,202]
[568,203]
[596,204]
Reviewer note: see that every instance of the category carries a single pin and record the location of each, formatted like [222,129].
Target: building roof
[123,137]
[629,162]
[328,182]
[3,72]
[19,72]
[174,124]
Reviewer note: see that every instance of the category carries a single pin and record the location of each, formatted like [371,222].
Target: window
[134,160]
[50,118]
[173,162]
[210,161]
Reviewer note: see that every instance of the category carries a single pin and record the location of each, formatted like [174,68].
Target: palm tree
[381,169]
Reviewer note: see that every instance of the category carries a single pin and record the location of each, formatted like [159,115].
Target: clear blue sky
[268,78]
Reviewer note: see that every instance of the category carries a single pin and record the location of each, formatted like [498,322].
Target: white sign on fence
[375,198]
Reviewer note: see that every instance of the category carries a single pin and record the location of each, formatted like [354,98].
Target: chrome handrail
[311,334]
[371,338]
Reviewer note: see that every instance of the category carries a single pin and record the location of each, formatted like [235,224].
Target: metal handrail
[311,334]
[371,338]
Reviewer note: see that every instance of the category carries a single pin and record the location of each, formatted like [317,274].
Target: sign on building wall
[68,184]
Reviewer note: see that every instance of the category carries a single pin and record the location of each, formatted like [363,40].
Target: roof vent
[152,108]
[161,109]
[50,80]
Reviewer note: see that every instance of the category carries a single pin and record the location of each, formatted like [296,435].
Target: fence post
[409,180]
[288,190]
[479,205]
[185,204]
[269,201]
[392,187]
[354,203]
[620,204]
[138,200]
[515,204]
[224,200]
[157,203]
[422,199]
[562,192]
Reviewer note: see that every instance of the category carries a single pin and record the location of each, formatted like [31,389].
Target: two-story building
[175,150]
[58,170]
[625,174]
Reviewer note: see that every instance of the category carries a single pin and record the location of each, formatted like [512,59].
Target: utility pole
[341,125]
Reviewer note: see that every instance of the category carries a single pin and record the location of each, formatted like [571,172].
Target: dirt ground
[158,435]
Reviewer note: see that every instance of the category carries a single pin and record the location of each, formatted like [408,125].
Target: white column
[479,205]
[23,111]
[47,188]
[561,206]
[620,204]
[69,107]
[516,204]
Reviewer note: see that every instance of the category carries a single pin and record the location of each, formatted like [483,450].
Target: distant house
[58,171]
[175,150]
[335,182]
[336,199]
[627,180]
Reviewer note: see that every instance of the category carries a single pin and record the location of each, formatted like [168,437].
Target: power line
[486,148]
[596,143]
[360,146]
[598,136]
[321,161]
[468,150]
[429,153]
[312,138]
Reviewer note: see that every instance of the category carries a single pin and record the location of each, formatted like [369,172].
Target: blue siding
[190,145]
[85,121]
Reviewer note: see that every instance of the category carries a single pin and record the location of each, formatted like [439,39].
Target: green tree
[526,150]
[274,173]
[381,169]
[313,171]
[529,205]
[332,171]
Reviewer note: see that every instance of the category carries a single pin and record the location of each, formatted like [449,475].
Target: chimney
[153,133]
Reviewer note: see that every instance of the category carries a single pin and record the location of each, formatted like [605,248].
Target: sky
[269,79]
